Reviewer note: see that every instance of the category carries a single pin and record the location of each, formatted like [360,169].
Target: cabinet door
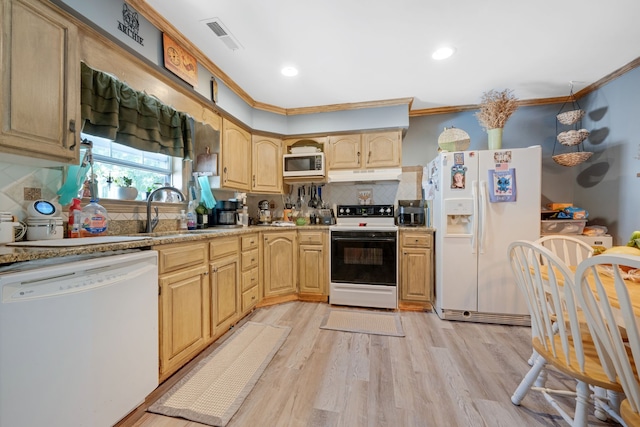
[382,149]
[182,321]
[236,157]
[280,263]
[39,96]
[225,289]
[345,152]
[415,274]
[313,272]
[266,158]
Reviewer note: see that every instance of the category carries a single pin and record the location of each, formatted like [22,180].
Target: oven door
[364,257]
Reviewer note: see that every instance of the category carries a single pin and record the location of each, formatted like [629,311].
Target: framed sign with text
[179,61]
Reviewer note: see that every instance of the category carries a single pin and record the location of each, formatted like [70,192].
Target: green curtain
[111,109]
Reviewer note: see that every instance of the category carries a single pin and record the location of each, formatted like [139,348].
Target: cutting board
[207,162]
[83,241]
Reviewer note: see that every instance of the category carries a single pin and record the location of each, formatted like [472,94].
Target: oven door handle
[365,240]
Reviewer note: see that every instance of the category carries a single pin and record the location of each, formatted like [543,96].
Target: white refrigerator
[483,201]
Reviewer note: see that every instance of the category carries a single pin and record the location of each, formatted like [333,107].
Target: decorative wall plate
[179,61]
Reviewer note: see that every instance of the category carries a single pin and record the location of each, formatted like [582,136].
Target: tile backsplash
[19,183]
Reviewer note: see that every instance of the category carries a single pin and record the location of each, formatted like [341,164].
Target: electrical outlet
[31,193]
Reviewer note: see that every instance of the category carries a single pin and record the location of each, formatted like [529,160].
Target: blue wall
[606,185]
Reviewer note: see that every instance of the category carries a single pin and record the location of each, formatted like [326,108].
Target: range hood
[364,175]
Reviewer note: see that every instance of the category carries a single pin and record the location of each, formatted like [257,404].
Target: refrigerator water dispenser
[459,214]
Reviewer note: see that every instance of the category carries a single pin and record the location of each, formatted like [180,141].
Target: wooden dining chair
[558,337]
[604,296]
[569,249]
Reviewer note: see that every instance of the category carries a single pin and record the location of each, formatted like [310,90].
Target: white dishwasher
[78,340]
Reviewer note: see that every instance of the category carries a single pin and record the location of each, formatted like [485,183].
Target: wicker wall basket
[454,139]
[572,137]
[570,117]
[572,159]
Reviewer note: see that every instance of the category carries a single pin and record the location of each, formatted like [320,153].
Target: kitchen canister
[44,228]
[11,231]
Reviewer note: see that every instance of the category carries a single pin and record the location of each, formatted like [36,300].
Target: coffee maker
[264,213]
[411,213]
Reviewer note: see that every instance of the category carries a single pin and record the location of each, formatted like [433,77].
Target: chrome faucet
[151,223]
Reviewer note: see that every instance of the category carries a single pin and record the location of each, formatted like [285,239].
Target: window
[112,162]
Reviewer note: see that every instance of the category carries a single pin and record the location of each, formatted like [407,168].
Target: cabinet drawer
[311,237]
[181,256]
[422,240]
[223,246]
[249,279]
[249,259]
[249,242]
[249,298]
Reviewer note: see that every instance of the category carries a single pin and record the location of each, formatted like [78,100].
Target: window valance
[111,109]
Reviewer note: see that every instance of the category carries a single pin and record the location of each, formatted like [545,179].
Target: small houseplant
[125,191]
[495,108]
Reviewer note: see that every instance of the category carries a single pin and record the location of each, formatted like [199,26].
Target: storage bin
[562,226]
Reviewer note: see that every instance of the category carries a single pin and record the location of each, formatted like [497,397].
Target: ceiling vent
[222,33]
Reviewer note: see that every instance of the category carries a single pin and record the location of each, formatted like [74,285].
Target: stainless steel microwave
[303,164]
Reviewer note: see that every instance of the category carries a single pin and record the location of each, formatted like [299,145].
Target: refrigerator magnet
[458,158]
[458,177]
[502,185]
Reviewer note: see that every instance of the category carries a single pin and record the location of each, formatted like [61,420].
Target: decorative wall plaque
[179,61]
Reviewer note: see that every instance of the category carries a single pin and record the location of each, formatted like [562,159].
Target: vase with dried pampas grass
[495,108]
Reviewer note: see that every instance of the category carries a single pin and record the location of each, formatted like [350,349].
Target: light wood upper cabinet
[365,151]
[236,157]
[40,82]
[266,159]
[279,251]
[416,267]
[382,149]
[345,152]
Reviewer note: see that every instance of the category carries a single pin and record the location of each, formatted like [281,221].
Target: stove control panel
[365,211]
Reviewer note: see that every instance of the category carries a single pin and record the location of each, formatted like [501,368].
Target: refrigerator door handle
[483,216]
[474,225]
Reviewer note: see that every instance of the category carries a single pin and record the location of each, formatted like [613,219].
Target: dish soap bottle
[93,220]
[191,217]
[183,220]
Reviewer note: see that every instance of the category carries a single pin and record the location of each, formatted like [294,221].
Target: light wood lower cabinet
[280,260]
[182,301]
[250,273]
[416,269]
[313,265]
[224,284]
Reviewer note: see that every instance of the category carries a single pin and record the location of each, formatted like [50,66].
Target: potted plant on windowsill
[125,191]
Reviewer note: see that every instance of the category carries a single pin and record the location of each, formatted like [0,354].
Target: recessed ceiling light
[443,53]
[289,71]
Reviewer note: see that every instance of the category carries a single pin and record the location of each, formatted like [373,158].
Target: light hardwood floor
[441,374]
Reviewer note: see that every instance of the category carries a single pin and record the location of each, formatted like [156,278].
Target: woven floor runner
[214,390]
[363,322]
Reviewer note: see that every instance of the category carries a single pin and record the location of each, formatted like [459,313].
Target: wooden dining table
[608,282]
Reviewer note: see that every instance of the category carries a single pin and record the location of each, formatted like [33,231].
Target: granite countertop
[12,254]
